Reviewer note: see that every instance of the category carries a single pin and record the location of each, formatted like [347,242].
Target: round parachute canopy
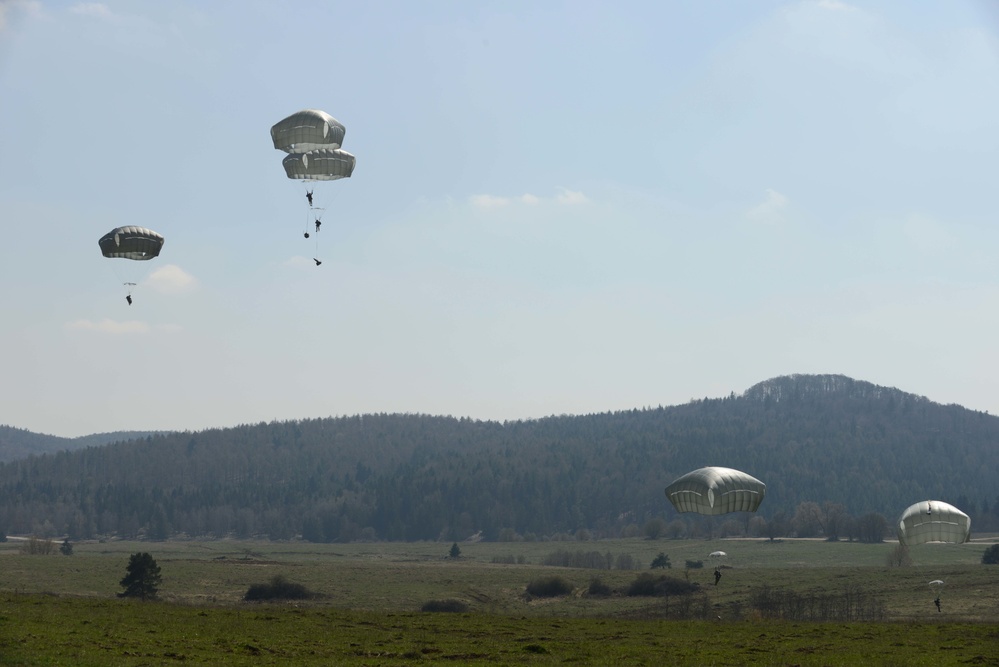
[717,554]
[319,165]
[307,130]
[933,521]
[130,242]
[716,490]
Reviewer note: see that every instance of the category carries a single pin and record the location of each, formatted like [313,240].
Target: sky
[559,207]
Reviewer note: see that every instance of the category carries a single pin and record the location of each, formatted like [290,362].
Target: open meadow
[57,609]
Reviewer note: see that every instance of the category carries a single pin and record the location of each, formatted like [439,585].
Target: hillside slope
[827,439]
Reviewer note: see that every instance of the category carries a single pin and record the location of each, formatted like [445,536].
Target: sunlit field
[60,609]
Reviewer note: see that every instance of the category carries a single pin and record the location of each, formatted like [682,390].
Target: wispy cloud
[771,210]
[171,279]
[835,6]
[571,197]
[110,326]
[10,8]
[489,201]
[927,235]
[95,9]
[565,197]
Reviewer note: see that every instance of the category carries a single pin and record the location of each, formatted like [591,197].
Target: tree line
[841,459]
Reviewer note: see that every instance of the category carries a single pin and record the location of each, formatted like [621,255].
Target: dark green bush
[278,588]
[651,585]
[661,561]
[991,555]
[453,606]
[549,587]
[598,588]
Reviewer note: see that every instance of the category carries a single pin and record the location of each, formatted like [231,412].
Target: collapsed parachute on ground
[319,165]
[136,243]
[307,130]
[715,490]
[933,521]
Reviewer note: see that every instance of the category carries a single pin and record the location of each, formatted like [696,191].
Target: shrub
[661,561]
[991,555]
[549,587]
[598,588]
[278,588]
[899,556]
[452,606]
[37,546]
[694,564]
[650,585]
[593,560]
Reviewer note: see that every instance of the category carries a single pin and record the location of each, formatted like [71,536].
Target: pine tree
[142,578]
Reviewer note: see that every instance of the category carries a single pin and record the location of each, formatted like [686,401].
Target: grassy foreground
[47,630]
[62,610]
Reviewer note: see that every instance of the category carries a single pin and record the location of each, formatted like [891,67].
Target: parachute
[307,130]
[715,490]
[135,243]
[312,139]
[933,521]
[130,242]
[322,164]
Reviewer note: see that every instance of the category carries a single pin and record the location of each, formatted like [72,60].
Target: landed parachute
[933,521]
[135,243]
[715,490]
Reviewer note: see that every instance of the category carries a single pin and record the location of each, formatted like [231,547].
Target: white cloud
[928,235]
[110,326]
[95,9]
[771,210]
[835,5]
[8,8]
[171,279]
[564,197]
[488,201]
[571,197]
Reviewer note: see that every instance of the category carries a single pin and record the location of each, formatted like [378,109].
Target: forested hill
[17,443]
[827,439]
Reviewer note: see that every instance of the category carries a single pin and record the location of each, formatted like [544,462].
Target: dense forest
[18,443]
[838,457]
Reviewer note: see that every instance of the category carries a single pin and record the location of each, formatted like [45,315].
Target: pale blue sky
[558,207]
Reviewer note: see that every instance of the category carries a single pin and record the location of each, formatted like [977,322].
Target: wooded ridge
[827,443]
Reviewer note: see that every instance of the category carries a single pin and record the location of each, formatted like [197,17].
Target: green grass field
[62,610]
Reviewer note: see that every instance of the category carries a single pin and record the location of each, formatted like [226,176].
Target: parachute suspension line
[121,279]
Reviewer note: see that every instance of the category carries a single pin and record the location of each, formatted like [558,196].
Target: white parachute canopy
[319,165]
[717,554]
[933,521]
[715,490]
[307,130]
